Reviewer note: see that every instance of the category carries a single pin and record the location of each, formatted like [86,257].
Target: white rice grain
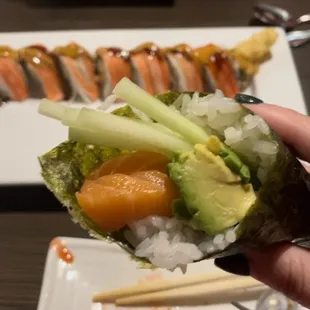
[169,243]
[247,134]
[230,236]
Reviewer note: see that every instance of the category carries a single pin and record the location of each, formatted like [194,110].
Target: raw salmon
[186,71]
[130,163]
[141,72]
[13,83]
[150,68]
[78,70]
[128,188]
[43,77]
[112,65]
[219,69]
[160,72]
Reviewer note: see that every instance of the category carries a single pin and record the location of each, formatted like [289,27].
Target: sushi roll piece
[77,68]
[43,78]
[185,70]
[219,70]
[112,65]
[250,54]
[150,68]
[13,84]
[208,180]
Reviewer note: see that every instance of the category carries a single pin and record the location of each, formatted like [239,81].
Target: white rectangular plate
[99,266]
[25,135]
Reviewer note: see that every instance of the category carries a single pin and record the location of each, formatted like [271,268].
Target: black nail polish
[243,98]
[237,264]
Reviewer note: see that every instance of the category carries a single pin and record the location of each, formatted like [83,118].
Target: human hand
[284,267]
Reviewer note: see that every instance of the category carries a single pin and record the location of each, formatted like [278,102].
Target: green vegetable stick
[158,111]
[51,109]
[116,131]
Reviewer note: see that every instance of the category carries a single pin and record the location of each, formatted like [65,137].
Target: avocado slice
[230,158]
[214,195]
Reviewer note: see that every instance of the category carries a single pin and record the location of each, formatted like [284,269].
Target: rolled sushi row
[71,72]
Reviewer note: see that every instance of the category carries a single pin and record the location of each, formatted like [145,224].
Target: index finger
[292,127]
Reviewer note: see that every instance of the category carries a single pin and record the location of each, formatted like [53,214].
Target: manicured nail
[243,98]
[237,264]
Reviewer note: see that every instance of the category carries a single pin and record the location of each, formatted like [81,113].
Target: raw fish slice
[224,74]
[13,83]
[78,70]
[218,70]
[157,67]
[185,69]
[112,65]
[141,72]
[44,80]
[130,163]
[114,200]
[160,73]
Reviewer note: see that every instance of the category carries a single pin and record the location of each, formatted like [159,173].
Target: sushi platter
[25,134]
[71,72]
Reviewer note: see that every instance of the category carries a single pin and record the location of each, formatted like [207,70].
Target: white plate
[100,266]
[24,134]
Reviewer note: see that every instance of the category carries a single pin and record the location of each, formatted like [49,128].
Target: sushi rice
[169,243]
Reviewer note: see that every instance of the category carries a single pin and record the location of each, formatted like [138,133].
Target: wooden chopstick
[159,285]
[234,288]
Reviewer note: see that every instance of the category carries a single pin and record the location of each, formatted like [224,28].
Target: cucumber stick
[155,109]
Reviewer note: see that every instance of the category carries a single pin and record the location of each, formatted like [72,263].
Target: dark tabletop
[24,236]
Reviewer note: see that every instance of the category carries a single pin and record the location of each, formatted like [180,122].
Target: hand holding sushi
[177,178]
[284,267]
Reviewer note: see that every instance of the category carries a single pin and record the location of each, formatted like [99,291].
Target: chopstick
[187,290]
[201,294]
[159,285]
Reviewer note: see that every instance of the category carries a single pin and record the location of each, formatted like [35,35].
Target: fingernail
[237,264]
[243,98]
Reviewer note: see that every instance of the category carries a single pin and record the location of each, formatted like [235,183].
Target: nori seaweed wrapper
[280,213]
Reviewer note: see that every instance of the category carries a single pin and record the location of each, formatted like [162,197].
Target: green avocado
[213,194]
[230,158]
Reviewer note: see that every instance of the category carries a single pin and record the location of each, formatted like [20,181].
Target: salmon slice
[186,70]
[191,72]
[224,74]
[50,83]
[130,163]
[13,83]
[113,65]
[217,64]
[78,70]
[115,200]
[160,73]
[141,71]
[43,77]
[128,188]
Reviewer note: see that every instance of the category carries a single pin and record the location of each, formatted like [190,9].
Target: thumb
[284,267]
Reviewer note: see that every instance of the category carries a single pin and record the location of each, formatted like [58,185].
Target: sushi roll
[251,53]
[218,68]
[112,65]
[13,84]
[208,178]
[185,70]
[42,74]
[77,68]
[150,68]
